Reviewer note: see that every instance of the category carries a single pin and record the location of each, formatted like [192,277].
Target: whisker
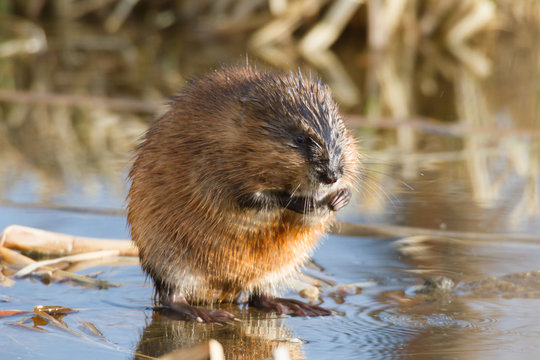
[295,189]
[375,188]
[291,196]
[408,186]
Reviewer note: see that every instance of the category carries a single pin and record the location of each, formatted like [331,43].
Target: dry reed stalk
[384,19]
[119,15]
[57,323]
[25,238]
[87,101]
[19,261]
[326,32]
[281,353]
[315,47]
[477,19]
[389,231]
[209,350]
[73,258]
[432,126]
[14,259]
[32,39]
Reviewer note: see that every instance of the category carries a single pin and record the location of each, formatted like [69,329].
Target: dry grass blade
[4,313]
[91,329]
[57,323]
[73,258]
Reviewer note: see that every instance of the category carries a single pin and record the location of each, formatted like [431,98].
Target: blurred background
[444,97]
[434,88]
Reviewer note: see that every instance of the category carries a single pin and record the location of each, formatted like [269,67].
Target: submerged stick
[388,231]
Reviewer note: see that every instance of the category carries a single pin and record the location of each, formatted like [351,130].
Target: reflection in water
[490,186]
[253,338]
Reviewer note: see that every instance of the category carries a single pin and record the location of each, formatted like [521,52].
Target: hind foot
[179,304]
[287,306]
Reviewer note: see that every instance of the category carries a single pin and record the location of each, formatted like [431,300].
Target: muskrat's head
[294,136]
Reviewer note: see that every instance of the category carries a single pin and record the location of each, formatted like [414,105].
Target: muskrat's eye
[300,140]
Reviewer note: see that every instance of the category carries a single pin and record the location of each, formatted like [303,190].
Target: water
[483,179]
[388,319]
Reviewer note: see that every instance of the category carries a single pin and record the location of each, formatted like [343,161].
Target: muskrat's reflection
[254,337]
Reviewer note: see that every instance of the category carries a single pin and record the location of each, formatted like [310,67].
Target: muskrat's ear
[251,107]
[249,100]
[246,108]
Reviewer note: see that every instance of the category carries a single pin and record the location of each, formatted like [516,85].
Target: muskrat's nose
[329,177]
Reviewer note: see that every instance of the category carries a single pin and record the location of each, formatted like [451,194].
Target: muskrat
[231,188]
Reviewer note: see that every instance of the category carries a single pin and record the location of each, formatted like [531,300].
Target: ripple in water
[394,325]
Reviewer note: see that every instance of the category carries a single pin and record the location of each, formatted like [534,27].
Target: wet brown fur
[210,149]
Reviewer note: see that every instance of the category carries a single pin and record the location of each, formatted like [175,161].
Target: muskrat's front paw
[287,306]
[340,199]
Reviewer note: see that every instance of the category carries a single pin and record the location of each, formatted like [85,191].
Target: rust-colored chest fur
[257,256]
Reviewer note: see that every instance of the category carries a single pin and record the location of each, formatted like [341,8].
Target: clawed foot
[287,306]
[340,199]
[180,305]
